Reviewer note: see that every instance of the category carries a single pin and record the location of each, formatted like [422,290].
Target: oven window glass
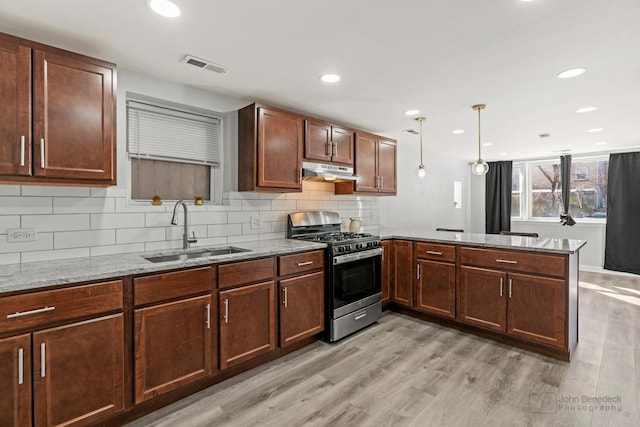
[355,280]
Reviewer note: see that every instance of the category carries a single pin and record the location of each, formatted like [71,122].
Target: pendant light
[479,167]
[421,172]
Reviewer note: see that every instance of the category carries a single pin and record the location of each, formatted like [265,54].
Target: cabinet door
[537,309]
[279,149]
[436,290]
[15,381]
[79,372]
[365,165]
[301,307]
[317,141]
[74,119]
[247,323]
[403,273]
[483,299]
[387,166]
[386,271]
[15,109]
[173,346]
[342,141]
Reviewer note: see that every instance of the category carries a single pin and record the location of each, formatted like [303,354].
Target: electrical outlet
[22,235]
[256,222]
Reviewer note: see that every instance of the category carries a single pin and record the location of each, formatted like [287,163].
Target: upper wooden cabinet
[69,102]
[375,165]
[270,145]
[328,143]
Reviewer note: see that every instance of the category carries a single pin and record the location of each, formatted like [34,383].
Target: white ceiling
[439,56]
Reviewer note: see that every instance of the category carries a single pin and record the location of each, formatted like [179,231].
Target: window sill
[579,221]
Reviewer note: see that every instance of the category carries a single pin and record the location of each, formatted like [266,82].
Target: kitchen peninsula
[522,291]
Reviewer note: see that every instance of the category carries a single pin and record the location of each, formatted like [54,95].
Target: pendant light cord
[421,120]
[479,152]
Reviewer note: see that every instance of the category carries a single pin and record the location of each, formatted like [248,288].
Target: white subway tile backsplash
[271,236]
[109,192]
[117,249]
[140,235]
[76,239]
[211,241]
[284,205]
[297,196]
[105,221]
[66,205]
[256,205]
[29,190]
[9,190]
[241,217]
[12,258]
[163,245]
[57,254]
[43,223]
[44,242]
[9,221]
[307,205]
[25,205]
[204,218]
[218,230]
[240,239]
[176,232]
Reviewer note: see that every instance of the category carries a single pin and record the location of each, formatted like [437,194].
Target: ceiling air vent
[203,63]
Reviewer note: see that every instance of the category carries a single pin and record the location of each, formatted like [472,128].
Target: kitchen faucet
[186,240]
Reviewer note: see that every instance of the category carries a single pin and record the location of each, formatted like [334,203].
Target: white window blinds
[156,132]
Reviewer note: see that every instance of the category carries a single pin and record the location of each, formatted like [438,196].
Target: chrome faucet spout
[186,240]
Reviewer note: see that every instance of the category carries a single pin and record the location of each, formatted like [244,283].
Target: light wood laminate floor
[407,372]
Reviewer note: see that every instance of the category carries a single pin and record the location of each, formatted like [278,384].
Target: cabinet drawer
[38,309]
[435,252]
[300,263]
[240,273]
[165,286]
[549,265]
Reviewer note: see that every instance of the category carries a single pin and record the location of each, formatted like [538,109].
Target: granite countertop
[541,244]
[34,275]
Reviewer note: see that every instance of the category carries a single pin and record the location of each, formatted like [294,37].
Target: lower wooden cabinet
[482,298]
[78,372]
[436,288]
[386,271]
[402,283]
[174,345]
[15,381]
[301,307]
[247,323]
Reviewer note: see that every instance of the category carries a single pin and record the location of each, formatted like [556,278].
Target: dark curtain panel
[622,248]
[565,180]
[498,197]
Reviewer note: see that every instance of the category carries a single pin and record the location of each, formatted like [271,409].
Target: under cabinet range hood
[327,173]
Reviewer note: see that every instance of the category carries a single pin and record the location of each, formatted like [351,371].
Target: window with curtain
[175,151]
[537,189]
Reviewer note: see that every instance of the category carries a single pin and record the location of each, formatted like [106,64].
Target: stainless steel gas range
[353,289]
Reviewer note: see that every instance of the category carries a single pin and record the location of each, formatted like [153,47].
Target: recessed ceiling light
[330,78]
[600,143]
[594,130]
[457,131]
[412,112]
[586,109]
[165,8]
[574,72]
[487,144]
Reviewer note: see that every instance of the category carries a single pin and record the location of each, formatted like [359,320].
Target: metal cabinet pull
[22,150]
[501,286]
[30,312]
[510,288]
[326,149]
[300,264]
[434,253]
[20,366]
[360,315]
[506,261]
[334,149]
[43,360]
[226,310]
[300,176]
[42,153]
[418,275]
[284,297]
[382,182]
[208,316]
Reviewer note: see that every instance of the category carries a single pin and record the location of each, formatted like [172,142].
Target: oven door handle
[341,259]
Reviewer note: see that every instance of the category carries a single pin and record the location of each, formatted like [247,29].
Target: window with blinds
[174,152]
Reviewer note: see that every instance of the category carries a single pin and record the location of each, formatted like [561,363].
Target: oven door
[355,281]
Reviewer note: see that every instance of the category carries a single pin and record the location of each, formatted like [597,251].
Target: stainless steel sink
[196,254]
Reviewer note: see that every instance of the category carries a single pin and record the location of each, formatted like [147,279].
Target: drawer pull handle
[30,312]
[434,253]
[506,261]
[22,150]
[20,366]
[208,316]
[510,288]
[300,264]
[284,297]
[43,360]
[42,153]
[361,315]
[501,280]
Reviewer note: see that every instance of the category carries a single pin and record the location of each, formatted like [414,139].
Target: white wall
[80,221]
[424,204]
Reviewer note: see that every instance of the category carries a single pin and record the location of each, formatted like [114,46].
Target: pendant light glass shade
[479,167]
[421,172]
